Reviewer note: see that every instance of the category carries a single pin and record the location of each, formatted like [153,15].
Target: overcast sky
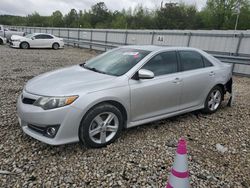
[46,7]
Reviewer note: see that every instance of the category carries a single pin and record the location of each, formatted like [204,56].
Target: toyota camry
[128,86]
[36,40]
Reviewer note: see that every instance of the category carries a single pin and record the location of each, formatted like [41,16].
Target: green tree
[244,16]
[72,19]
[85,19]
[119,20]
[174,16]
[221,14]
[56,19]
[141,19]
[36,20]
[100,16]
[217,14]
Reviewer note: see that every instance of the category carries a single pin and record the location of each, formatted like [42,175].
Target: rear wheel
[101,126]
[55,46]
[213,100]
[24,45]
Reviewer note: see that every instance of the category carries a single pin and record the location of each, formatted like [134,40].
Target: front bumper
[67,118]
[15,44]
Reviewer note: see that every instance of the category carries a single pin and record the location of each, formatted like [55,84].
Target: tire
[94,122]
[1,42]
[24,45]
[213,100]
[55,46]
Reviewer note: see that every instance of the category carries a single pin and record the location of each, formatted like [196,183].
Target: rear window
[190,60]
[207,63]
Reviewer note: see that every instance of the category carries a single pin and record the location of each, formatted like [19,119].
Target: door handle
[177,80]
[212,73]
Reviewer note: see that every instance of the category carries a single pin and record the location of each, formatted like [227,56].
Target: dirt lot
[142,157]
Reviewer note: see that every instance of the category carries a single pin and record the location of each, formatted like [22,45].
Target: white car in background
[36,40]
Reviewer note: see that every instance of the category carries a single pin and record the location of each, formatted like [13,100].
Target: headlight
[54,102]
[16,40]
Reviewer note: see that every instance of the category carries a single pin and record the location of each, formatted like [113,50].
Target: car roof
[153,48]
[41,34]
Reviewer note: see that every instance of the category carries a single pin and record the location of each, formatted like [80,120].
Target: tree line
[217,14]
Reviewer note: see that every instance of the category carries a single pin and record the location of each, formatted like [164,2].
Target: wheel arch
[222,87]
[24,42]
[113,102]
[55,43]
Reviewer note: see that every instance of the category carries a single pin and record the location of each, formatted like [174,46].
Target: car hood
[73,80]
[18,37]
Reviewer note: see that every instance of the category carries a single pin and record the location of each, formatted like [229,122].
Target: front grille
[41,130]
[28,101]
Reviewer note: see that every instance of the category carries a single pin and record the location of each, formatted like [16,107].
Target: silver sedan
[122,88]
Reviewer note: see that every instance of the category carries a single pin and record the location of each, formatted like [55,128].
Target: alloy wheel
[103,127]
[55,46]
[25,45]
[214,100]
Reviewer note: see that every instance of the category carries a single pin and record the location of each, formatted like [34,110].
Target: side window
[207,63]
[190,60]
[47,37]
[38,37]
[163,63]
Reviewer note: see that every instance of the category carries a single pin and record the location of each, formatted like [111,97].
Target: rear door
[198,78]
[47,41]
[160,95]
[36,41]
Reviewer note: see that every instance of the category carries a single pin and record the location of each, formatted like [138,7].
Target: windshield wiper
[92,68]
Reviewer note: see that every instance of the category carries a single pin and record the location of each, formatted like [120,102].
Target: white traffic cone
[179,177]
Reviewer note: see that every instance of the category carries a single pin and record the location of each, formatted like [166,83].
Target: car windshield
[116,62]
[29,35]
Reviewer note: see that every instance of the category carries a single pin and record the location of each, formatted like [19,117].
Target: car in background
[36,40]
[7,33]
[128,86]
[2,40]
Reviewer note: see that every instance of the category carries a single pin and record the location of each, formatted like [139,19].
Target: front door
[160,95]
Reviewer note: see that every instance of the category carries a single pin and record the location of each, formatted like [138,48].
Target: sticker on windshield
[131,53]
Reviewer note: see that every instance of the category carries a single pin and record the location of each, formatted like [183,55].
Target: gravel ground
[142,156]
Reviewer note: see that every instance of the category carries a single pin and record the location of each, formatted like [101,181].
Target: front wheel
[101,126]
[24,45]
[213,100]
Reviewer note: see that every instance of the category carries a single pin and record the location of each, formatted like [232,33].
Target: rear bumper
[228,87]
[61,45]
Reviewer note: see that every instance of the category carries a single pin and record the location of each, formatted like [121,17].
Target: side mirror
[32,38]
[145,74]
